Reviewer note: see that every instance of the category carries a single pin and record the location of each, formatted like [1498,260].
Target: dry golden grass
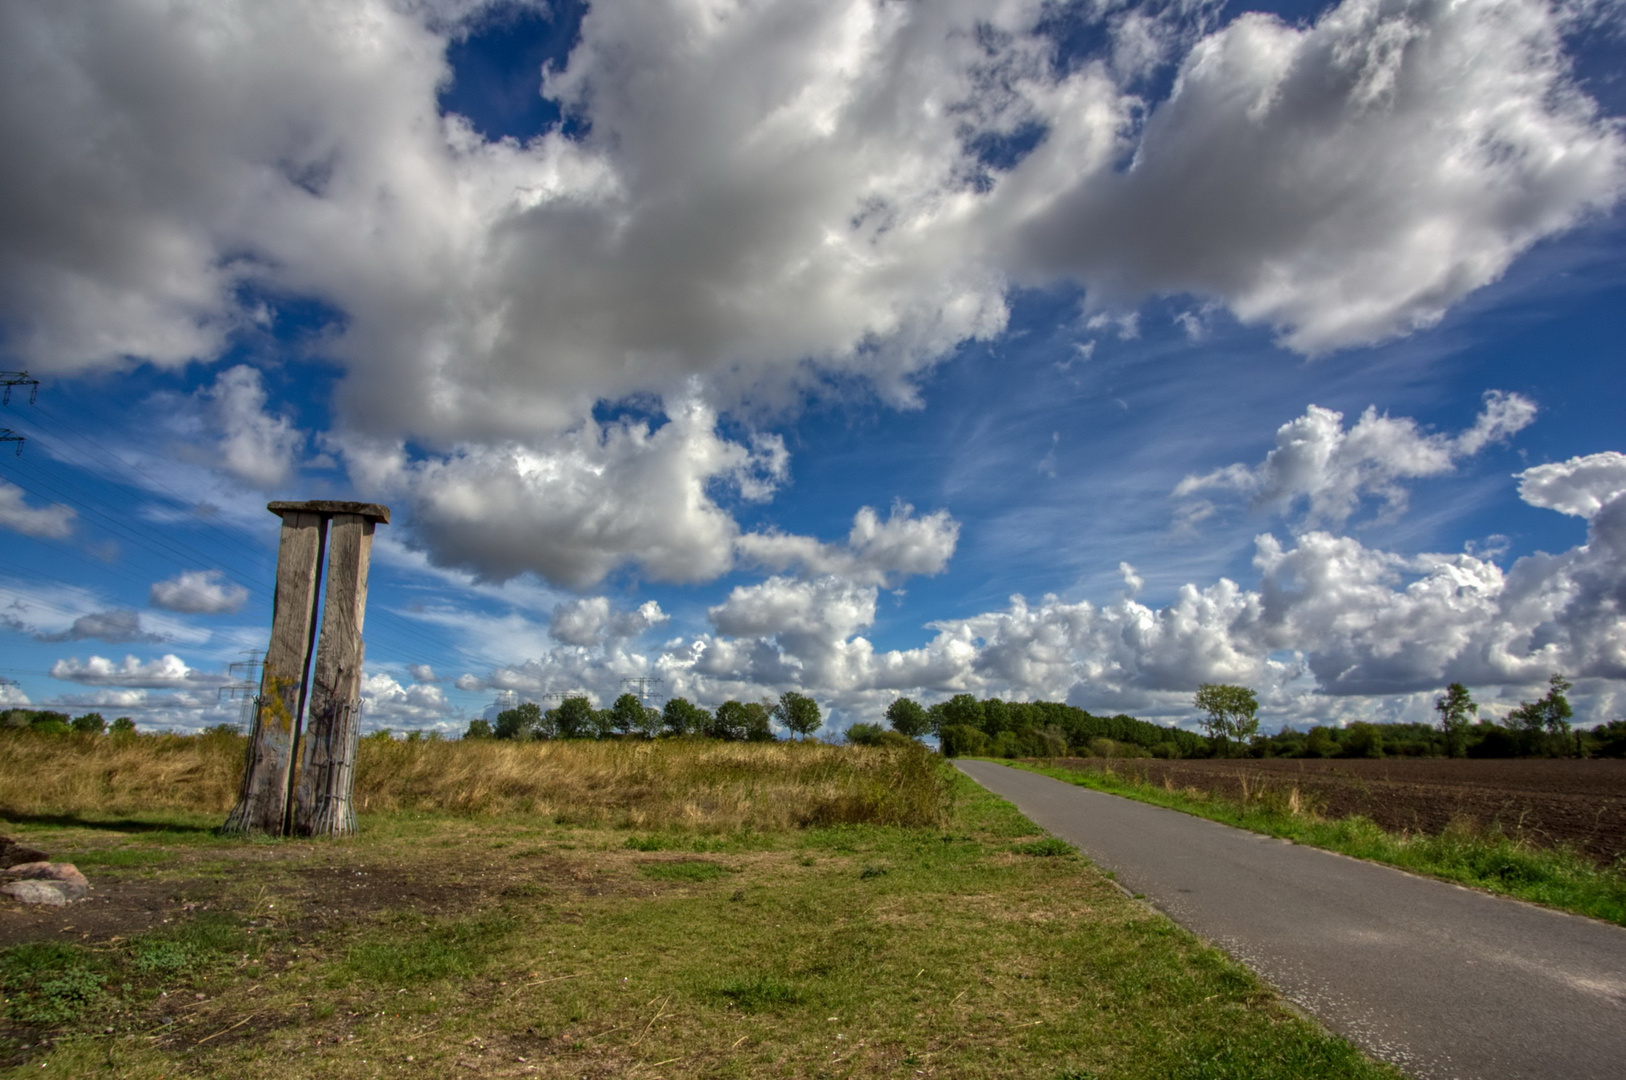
[670,783]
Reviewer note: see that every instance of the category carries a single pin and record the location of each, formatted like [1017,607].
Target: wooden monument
[298,781]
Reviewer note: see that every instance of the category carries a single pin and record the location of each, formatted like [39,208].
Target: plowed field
[1546,801]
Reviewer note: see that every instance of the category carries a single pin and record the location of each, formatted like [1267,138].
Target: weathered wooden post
[327,773]
[267,802]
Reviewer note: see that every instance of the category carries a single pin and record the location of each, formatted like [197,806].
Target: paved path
[1440,980]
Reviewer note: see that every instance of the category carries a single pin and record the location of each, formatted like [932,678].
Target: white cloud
[1330,619]
[795,184]
[590,621]
[423,673]
[12,696]
[198,592]
[386,703]
[876,551]
[1345,181]
[167,672]
[251,444]
[1580,486]
[46,523]
[575,507]
[1333,470]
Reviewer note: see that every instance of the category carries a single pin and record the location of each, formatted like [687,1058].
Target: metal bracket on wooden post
[283,789]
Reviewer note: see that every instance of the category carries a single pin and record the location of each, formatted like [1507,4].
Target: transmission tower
[642,684]
[562,694]
[244,676]
[8,379]
[244,684]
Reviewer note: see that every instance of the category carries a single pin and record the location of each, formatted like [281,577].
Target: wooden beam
[322,804]
[263,799]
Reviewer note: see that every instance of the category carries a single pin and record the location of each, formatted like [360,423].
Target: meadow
[662,909]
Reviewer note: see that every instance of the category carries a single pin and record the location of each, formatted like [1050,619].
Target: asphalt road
[1440,980]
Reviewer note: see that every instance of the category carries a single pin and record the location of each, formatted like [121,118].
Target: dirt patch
[1545,801]
[282,885]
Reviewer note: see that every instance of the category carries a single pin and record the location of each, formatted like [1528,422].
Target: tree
[649,724]
[730,722]
[1363,740]
[627,714]
[478,729]
[683,717]
[1457,710]
[123,726]
[519,723]
[573,718]
[89,724]
[759,721]
[742,721]
[907,717]
[799,713]
[964,709]
[1544,721]
[1231,713]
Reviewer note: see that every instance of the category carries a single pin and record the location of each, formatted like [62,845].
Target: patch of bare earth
[1545,801]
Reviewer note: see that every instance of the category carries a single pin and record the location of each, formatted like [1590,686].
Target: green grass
[411,952]
[1491,860]
[687,870]
[978,949]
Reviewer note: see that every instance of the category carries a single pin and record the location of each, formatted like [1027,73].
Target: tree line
[1539,728]
[628,717]
[50,722]
[992,727]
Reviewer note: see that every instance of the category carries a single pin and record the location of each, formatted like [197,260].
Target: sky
[1044,350]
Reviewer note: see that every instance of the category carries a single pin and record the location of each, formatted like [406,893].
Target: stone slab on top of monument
[328,507]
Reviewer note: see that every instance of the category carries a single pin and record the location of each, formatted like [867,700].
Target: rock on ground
[43,883]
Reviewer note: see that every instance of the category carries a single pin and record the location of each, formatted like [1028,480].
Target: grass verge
[1463,853]
[447,945]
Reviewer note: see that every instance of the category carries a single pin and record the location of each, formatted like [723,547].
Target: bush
[876,735]
[1494,741]
[89,724]
[1363,740]
[961,739]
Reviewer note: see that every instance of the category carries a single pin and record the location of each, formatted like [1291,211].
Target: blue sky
[1021,349]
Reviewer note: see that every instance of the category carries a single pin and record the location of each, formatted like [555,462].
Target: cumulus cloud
[876,551]
[1332,469]
[1581,486]
[45,523]
[167,672]
[198,592]
[798,195]
[590,621]
[796,184]
[575,507]
[1345,181]
[386,703]
[423,673]
[1333,630]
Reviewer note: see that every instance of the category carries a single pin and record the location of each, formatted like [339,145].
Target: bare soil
[1545,801]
